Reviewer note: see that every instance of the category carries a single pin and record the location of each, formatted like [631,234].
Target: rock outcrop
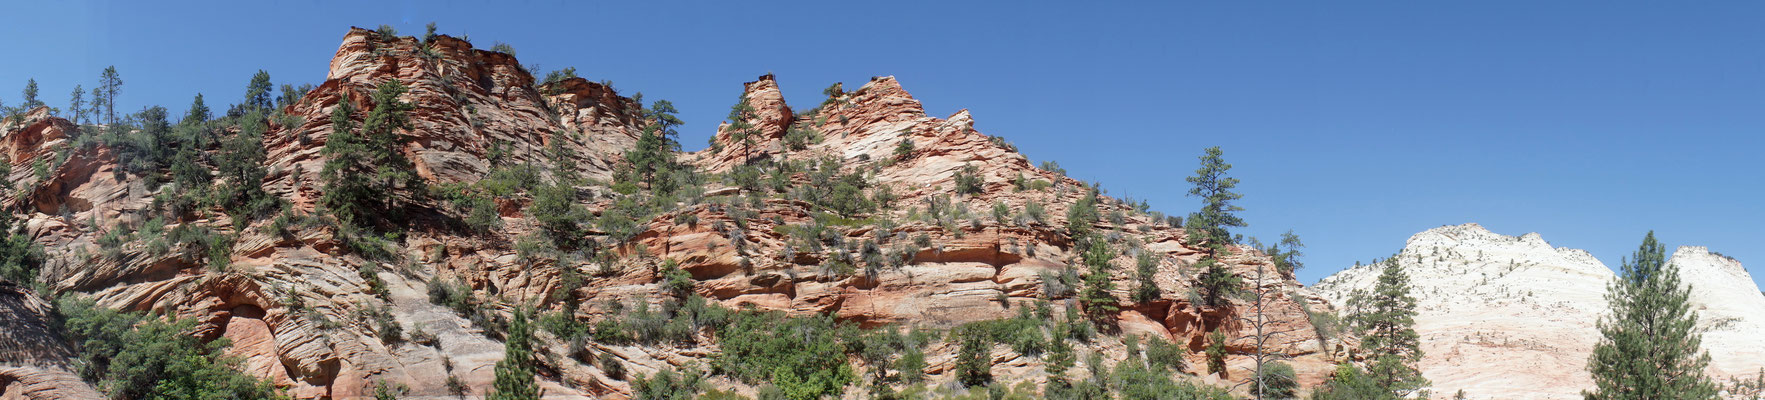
[1731,310]
[1490,305]
[307,312]
[35,361]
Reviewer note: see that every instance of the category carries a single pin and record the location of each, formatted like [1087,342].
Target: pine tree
[1215,190]
[1145,267]
[1387,316]
[365,168]
[1209,225]
[257,93]
[77,105]
[198,112]
[739,129]
[109,84]
[98,105]
[241,163]
[383,130]
[651,161]
[20,257]
[30,94]
[1650,348]
[1216,352]
[1097,295]
[346,169]
[514,374]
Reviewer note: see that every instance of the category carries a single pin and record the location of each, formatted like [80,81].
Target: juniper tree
[904,149]
[1387,318]
[514,374]
[1650,345]
[968,179]
[1082,214]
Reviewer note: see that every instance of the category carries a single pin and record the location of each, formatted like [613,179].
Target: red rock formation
[295,302]
[34,357]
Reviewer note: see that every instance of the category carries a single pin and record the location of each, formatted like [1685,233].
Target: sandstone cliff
[303,310]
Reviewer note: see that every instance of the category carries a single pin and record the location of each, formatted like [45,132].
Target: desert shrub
[968,180]
[668,385]
[1167,355]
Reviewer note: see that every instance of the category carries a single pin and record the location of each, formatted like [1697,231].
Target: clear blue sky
[1356,124]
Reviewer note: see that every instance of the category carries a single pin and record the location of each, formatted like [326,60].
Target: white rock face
[1500,317]
[1504,317]
[1731,312]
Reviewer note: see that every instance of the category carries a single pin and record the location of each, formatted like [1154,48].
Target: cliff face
[1491,304]
[1731,310]
[981,264]
[33,355]
[299,305]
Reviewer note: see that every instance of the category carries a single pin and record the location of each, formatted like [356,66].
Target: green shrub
[668,385]
[1216,352]
[968,180]
[974,362]
[1279,381]
[904,149]
[804,357]
[131,356]
[1166,355]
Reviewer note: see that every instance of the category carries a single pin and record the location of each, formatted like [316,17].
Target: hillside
[1491,305]
[536,195]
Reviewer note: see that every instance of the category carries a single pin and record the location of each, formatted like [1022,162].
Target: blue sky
[1356,124]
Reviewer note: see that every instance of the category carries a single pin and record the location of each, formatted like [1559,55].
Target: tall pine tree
[1650,348]
[652,159]
[77,105]
[109,84]
[514,374]
[1209,226]
[1387,316]
[1097,294]
[739,129]
[364,167]
[30,94]
[257,93]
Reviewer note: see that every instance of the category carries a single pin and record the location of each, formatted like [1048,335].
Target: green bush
[1216,352]
[805,357]
[668,385]
[1166,355]
[1279,381]
[974,362]
[131,356]
[968,180]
